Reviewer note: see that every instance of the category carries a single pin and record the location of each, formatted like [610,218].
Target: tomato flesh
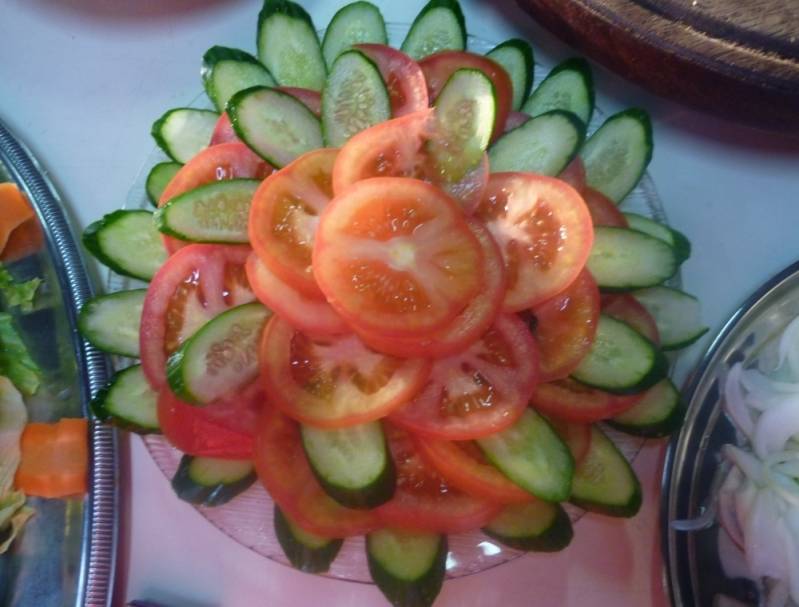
[571,401]
[627,308]
[515,120]
[603,210]
[223,131]
[576,436]
[407,89]
[574,174]
[310,99]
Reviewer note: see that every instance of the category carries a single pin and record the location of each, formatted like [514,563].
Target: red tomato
[480,391]
[285,213]
[407,89]
[313,316]
[223,131]
[571,401]
[423,500]
[627,308]
[336,381]
[469,325]
[576,436]
[544,231]
[574,174]
[515,120]
[395,256]
[397,148]
[603,210]
[194,285]
[285,472]
[464,467]
[439,67]
[310,99]
[564,327]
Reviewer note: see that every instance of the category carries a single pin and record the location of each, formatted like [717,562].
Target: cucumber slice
[604,482]
[355,98]
[617,154]
[220,357]
[543,145]
[183,132]
[111,322]
[305,551]
[621,360]
[568,87]
[623,259]
[216,212]
[408,568]
[275,125]
[439,26]
[536,526]
[676,240]
[677,316]
[659,413]
[516,56]
[354,23]
[465,113]
[128,402]
[226,71]
[532,455]
[211,481]
[158,178]
[288,45]
[352,464]
[127,242]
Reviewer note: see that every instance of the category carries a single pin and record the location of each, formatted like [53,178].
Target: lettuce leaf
[13,417]
[18,294]
[15,361]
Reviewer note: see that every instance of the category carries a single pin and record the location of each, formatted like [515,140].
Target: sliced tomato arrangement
[571,401]
[627,308]
[603,210]
[223,131]
[574,174]
[407,88]
[576,436]
[310,99]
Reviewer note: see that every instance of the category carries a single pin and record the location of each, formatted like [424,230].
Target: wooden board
[733,58]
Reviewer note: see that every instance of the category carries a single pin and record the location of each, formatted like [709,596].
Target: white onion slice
[789,347]
[775,426]
[748,463]
[734,403]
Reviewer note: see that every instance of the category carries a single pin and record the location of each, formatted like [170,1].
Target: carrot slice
[14,211]
[55,459]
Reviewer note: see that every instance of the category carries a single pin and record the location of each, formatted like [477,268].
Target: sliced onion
[765,551]
[789,347]
[748,463]
[756,382]
[705,520]
[725,507]
[734,403]
[775,427]
[777,595]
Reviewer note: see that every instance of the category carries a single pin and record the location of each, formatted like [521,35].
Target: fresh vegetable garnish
[55,459]
[17,294]
[15,360]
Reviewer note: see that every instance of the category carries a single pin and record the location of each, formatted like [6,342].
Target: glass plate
[248,518]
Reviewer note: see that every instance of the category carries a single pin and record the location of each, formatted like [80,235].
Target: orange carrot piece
[26,240]
[14,211]
[55,459]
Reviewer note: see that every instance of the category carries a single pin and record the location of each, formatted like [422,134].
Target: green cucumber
[182,132]
[516,56]
[659,413]
[676,240]
[677,315]
[111,322]
[355,23]
[305,551]
[158,178]
[128,402]
[226,71]
[536,526]
[211,481]
[216,212]
[568,87]
[439,26]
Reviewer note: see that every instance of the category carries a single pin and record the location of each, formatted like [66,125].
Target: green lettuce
[15,361]
[18,294]
[13,417]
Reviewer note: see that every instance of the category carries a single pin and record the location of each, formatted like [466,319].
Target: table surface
[81,81]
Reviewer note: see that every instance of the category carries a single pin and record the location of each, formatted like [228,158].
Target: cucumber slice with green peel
[275,125]
[355,98]
[675,239]
[465,113]
[532,455]
[128,402]
[226,71]
[211,481]
[568,87]
[659,413]
[439,26]
[111,322]
[536,526]
[677,315]
[288,45]
[127,242]
[604,482]
[158,178]
[219,358]
[516,56]
[216,212]
[305,551]
[544,145]
[182,132]
[408,568]
[621,360]
[355,23]
[617,154]
[352,464]
[623,259]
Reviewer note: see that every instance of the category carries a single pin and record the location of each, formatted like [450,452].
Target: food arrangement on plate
[394,286]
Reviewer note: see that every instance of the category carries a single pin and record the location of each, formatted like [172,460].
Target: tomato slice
[571,401]
[576,436]
[627,308]
[313,316]
[407,89]
[515,120]
[310,99]
[194,285]
[564,327]
[395,256]
[223,131]
[284,216]
[397,148]
[574,174]
[335,381]
[480,391]
[284,470]
[545,233]
[423,500]
[603,210]
[464,467]
[439,67]
[469,325]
